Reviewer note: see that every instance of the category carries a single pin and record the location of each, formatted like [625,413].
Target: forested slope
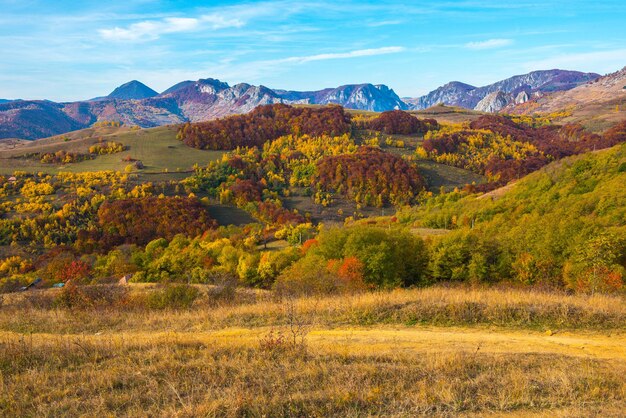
[564,224]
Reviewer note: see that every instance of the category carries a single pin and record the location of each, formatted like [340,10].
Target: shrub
[13,283]
[85,297]
[180,296]
[387,258]
[308,276]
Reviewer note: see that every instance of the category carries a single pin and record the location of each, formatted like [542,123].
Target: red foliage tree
[263,124]
[370,176]
[398,122]
[139,221]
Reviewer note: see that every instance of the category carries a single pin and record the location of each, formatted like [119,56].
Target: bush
[307,277]
[85,297]
[388,258]
[13,283]
[180,296]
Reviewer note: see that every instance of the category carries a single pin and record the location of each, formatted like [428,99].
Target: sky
[65,50]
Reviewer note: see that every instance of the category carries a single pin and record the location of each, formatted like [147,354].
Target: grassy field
[448,114]
[440,175]
[156,148]
[436,351]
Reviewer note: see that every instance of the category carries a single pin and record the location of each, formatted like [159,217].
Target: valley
[310,259]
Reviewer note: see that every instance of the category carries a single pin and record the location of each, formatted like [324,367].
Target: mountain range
[134,103]
[189,101]
[518,88]
[609,89]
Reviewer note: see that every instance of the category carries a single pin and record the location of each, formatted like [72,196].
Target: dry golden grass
[436,351]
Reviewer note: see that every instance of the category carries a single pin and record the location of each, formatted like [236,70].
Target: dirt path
[387,340]
[595,345]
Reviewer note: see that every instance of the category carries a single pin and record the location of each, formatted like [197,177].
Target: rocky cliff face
[522,97]
[494,102]
[465,95]
[454,93]
[377,98]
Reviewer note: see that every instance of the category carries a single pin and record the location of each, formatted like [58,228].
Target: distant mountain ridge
[134,103]
[133,90]
[610,88]
[534,83]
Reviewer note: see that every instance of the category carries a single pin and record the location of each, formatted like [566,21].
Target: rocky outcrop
[494,102]
[454,93]
[376,98]
[522,97]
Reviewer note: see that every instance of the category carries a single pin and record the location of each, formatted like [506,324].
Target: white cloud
[381,23]
[342,55]
[153,29]
[489,44]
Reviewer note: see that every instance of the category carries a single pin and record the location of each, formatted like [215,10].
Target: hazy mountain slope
[134,103]
[35,119]
[133,90]
[454,93]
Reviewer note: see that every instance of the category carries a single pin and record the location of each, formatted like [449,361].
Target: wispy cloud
[342,55]
[489,44]
[153,29]
[380,23]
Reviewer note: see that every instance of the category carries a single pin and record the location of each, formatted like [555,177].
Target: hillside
[156,148]
[597,105]
[545,226]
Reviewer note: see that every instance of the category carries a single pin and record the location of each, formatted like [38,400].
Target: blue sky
[70,50]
